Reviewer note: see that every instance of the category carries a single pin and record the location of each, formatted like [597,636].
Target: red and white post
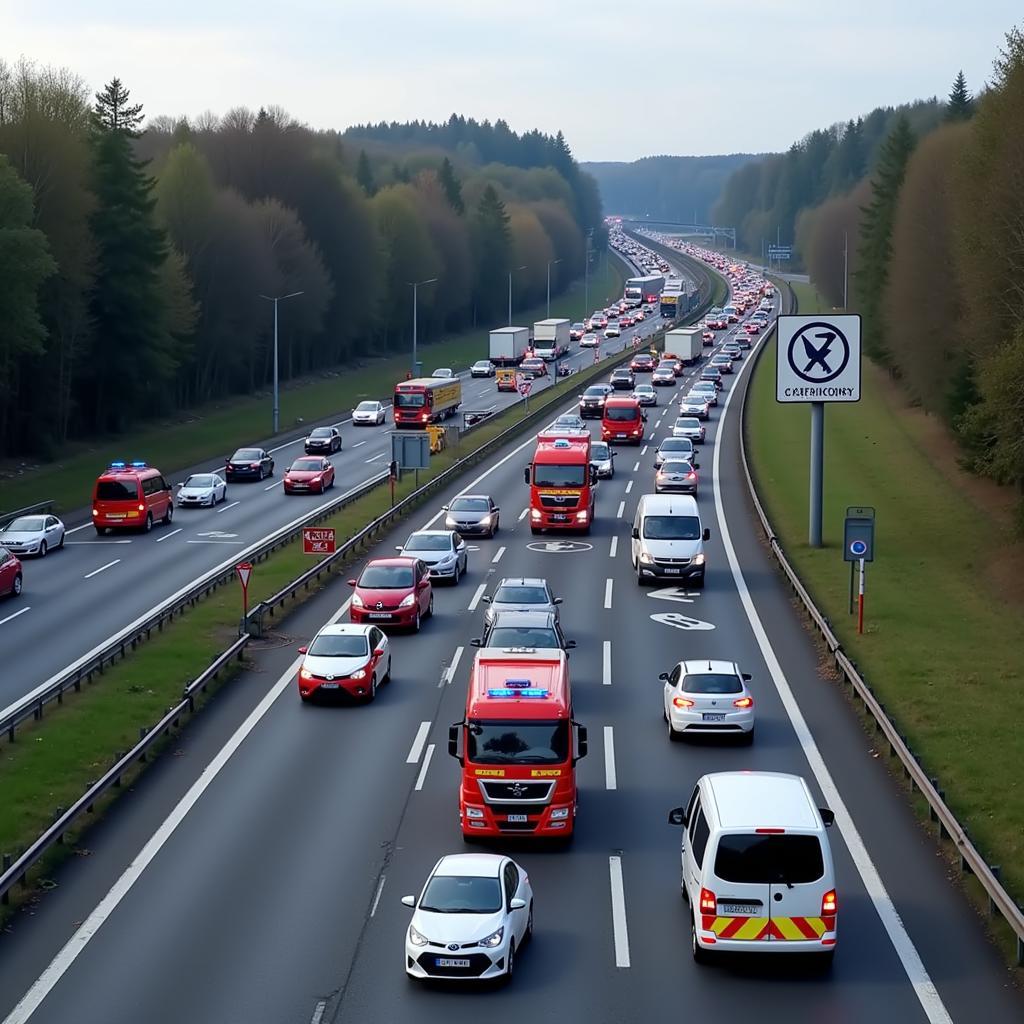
[860,600]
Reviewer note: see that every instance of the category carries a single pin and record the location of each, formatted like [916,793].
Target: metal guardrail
[28,510]
[15,871]
[970,859]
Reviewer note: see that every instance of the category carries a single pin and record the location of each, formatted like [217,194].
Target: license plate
[710,716]
[559,519]
[673,572]
[115,515]
[379,615]
[299,487]
[620,435]
[739,909]
[517,817]
[444,961]
[329,686]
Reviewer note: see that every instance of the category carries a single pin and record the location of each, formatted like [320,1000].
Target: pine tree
[452,186]
[113,112]
[493,243]
[364,175]
[960,106]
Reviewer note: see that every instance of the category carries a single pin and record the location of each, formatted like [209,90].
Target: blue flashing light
[119,465]
[561,443]
[139,465]
[508,691]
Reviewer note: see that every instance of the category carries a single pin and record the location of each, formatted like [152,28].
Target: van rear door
[796,898]
[741,907]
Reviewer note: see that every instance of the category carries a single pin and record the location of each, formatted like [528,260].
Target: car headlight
[416,938]
[494,939]
[646,558]
[357,601]
[474,812]
[450,523]
[534,513]
[408,601]
[360,674]
[698,560]
[486,521]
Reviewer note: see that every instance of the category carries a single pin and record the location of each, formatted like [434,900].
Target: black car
[524,629]
[249,464]
[592,401]
[472,514]
[623,380]
[323,439]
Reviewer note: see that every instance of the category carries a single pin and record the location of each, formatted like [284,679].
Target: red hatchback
[393,592]
[10,573]
[313,473]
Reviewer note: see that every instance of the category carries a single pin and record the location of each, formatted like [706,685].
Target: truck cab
[562,482]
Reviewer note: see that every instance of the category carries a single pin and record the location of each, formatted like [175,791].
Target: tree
[364,175]
[452,186]
[960,105]
[113,112]
[822,235]
[492,240]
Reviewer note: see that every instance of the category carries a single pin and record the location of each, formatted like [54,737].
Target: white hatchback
[708,698]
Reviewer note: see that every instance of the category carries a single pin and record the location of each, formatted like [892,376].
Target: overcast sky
[622,79]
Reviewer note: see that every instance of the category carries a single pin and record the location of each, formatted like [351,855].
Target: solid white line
[924,987]
[376,457]
[421,778]
[376,895]
[606,663]
[609,758]
[622,508]
[636,466]
[522,515]
[619,929]
[417,744]
[608,593]
[15,615]
[629,486]
[319,1010]
[359,444]
[232,505]
[98,541]
[497,556]
[160,540]
[614,547]
[276,483]
[449,673]
[476,597]
[96,572]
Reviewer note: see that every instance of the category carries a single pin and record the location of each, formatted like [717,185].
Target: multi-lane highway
[79,598]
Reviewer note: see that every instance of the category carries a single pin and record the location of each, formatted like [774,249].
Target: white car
[443,371]
[369,412]
[590,341]
[691,427]
[444,552]
[207,489]
[612,330]
[695,405]
[482,368]
[32,535]
[708,698]
[471,920]
[345,660]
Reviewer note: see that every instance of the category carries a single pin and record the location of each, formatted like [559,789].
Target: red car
[393,591]
[533,367]
[708,337]
[313,473]
[10,573]
[642,363]
[752,327]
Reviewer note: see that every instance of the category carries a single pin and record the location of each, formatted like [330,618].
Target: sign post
[860,600]
[818,361]
[244,570]
[858,550]
[525,387]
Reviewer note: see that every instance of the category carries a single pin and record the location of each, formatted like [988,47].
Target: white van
[757,869]
[668,540]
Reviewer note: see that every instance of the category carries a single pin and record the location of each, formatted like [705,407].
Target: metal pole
[817,472]
[853,569]
[277,407]
[510,298]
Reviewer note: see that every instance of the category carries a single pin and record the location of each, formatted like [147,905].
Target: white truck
[551,339]
[508,345]
[686,343]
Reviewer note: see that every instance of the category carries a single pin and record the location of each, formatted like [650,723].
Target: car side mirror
[444,508]
[635,533]
[495,510]
[516,904]
[557,600]
[303,650]
[352,583]
[828,816]
[409,901]
[746,676]
[526,474]
[707,534]
[581,743]
[476,642]
[398,547]
[696,465]
[663,675]
[486,600]
[423,584]
[570,645]
[379,652]
[677,816]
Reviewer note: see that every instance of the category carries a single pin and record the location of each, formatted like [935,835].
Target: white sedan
[471,920]
[369,412]
[32,535]
[202,489]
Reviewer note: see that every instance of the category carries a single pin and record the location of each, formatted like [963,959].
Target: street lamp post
[275,299]
[415,285]
[510,273]
[551,263]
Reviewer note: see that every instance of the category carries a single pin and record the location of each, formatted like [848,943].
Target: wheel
[510,966]
[42,549]
[673,735]
[169,514]
[262,474]
[373,687]
[270,472]
[457,576]
[747,738]
[61,544]
[529,925]
[700,955]
[823,961]
[101,531]
[416,622]
[149,522]
[430,606]
[16,586]
[387,675]
[213,500]
[534,530]
[700,582]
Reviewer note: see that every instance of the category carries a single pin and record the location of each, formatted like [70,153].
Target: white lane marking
[643,451]
[232,505]
[609,758]
[522,515]
[421,778]
[629,486]
[376,895]
[476,597]
[96,572]
[236,543]
[606,663]
[166,536]
[636,466]
[622,508]
[359,444]
[497,556]
[75,529]
[98,541]
[376,457]
[619,929]
[417,744]
[608,593]
[614,547]
[449,673]
[276,483]
[319,1010]
[16,614]
[924,988]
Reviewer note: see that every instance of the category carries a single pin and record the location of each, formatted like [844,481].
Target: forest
[137,254]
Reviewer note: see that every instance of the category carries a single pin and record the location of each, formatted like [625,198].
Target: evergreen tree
[875,249]
[452,186]
[961,104]
[493,243]
[364,175]
[112,111]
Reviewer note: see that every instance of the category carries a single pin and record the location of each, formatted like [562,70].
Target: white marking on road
[417,744]
[321,1007]
[359,444]
[160,540]
[619,929]
[636,466]
[276,483]
[614,547]
[449,673]
[609,758]
[497,556]
[681,621]
[606,663]
[232,505]
[234,542]
[421,778]
[629,486]
[96,572]
[476,597]
[98,541]
[643,451]
[75,529]
[622,509]
[523,514]
[608,593]
[673,594]
[376,895]
[376,457]
[15,615]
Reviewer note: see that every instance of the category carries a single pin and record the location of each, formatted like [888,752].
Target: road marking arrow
[674,594]
[680,621]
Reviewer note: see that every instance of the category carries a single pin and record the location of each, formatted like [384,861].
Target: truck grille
[559,501]
[521,792]
[672,561]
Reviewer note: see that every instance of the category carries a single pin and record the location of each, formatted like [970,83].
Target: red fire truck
[562,484]
[516,746]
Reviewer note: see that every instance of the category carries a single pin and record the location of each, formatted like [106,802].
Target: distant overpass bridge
[712,231]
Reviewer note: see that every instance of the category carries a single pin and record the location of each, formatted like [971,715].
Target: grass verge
[942,644]
[214,431]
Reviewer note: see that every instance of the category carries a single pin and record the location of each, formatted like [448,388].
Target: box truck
[508,345]
[551,339]
[686,343]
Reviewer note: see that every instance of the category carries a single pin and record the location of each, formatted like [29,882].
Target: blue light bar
[119,465]
[508,691]
[139,465]
[561,443]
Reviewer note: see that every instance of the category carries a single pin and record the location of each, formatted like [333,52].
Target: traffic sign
[859,534]
[780,252]
[244,570]
[525,387]
[318,540]
[858,548]
[818,358]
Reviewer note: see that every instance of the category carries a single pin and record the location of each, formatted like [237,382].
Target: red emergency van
[131,495]
[622,421]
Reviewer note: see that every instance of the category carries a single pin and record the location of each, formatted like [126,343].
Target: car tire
[262,474]
[823,961]
[457,576]
[372,696]
[510,963]
[673,735]
[534,530]
[169,514]
[42,549]
[747,738]
[700,955]
[699,583]
[213,500]
[387,675]
[416,623]
[149,523]
[16,586]
[60,546]
[430,606]
[528,934]
[101,531]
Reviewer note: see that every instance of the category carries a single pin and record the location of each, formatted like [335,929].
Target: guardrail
[28,510]
[970,859]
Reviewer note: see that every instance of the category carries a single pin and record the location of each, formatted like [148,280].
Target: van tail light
[743,702]
[708,904]
[682,702]
[829,904]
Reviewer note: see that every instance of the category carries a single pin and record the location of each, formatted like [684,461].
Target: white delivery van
[757,869]
[668,539]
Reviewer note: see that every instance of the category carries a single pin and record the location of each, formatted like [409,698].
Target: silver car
[200,489]
[521,594]
[370,412]
[689,426]
[695,405]
[674,448]
[443,551]
[645,394]
[472,514]
[602,459]
[32,535]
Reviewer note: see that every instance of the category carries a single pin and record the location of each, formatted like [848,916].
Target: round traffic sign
[818,352]
[858,548]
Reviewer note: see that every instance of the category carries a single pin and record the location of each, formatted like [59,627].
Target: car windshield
[545,475]
[712,682]
[688,423]
[386,577]
[443,372]
[409,399]
[116,490]
[428,542]
[455,894]
[481,364]
[595,392]
[644,389]
[567,421]
[676,444]
[599,452]
[247,455]
[769,859]
[320,432]
[517,742]
[334,646]
[672,528]
[533,363]
[307,465]
[25,524]
[200,480]
[521,594]
[469,505]
[621,413]
[622,375]
[366,407]
[522,636]
[676,467]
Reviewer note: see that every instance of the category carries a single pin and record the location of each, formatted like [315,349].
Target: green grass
[942,647]
[214,431]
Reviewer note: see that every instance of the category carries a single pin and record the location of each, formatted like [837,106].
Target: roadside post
[244,570]
[818,361]
[858,550]
[392,477]
[411,450]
